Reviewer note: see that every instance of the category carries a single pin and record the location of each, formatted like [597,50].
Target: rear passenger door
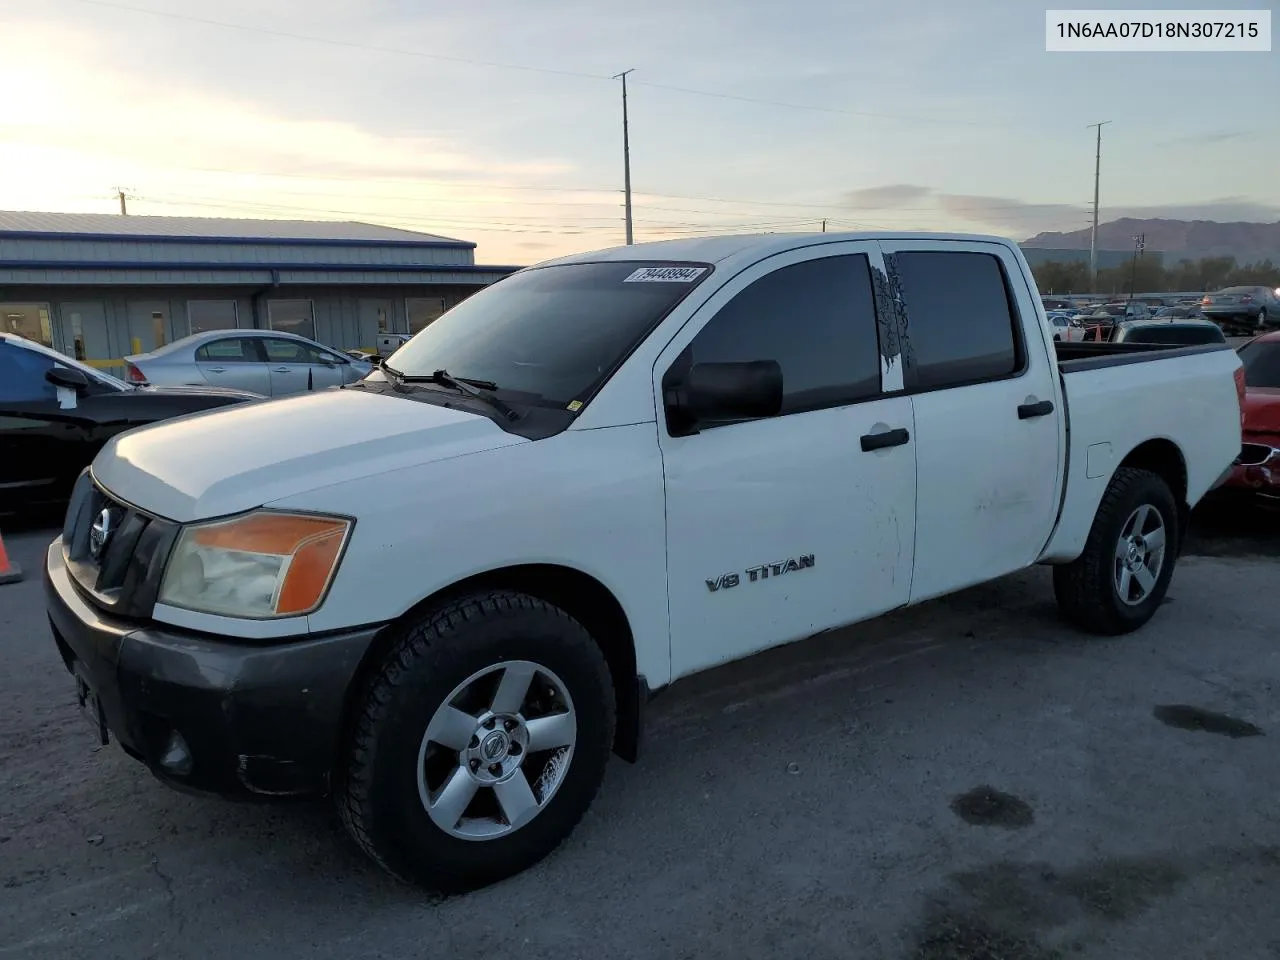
[234,362]
[782,527]
[989,434]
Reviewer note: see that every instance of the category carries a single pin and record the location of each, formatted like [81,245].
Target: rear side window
[816,318]
[963,328]
[231,350]
[1261,363]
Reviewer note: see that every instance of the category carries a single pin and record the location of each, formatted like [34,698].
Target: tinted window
[817,319]
[22,375]
[292,316]
[554,333]
[1174,334]
[231,350]
[291,351]
[205,315]
[1261,364]
[959,316]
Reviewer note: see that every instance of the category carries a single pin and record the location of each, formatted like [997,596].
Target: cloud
[1207,139]
[887,197]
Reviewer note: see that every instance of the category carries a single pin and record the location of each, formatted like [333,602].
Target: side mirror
[726,391]
[67,377]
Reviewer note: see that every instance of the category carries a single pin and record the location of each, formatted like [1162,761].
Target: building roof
[115,226]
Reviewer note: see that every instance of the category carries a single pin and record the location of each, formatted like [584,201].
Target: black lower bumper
[251,718]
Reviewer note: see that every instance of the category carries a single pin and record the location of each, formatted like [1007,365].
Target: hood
[194,391]
[1262,410]
[242,456]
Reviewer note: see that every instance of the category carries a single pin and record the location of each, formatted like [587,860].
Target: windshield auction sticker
[666,275]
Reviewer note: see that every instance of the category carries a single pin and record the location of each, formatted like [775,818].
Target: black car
[1181,333]
[55,415]
[1243,310]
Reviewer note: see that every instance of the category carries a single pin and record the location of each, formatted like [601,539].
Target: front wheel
[1118,582]
[480,743]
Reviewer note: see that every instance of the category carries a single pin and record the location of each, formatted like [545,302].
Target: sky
[498,121]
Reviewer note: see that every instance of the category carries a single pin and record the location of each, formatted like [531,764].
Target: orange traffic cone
[9,572]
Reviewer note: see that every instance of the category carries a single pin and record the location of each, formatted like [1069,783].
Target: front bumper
[253,718]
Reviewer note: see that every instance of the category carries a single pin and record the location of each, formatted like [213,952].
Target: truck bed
[1089,355]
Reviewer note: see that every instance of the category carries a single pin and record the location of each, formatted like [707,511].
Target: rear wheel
[1121,578]
[481,741]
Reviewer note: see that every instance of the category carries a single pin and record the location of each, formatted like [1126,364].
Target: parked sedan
[1258,468]
[56,413]
[267,362]
[1169,332]
[1243,310]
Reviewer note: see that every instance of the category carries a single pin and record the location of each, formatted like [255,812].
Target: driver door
[783,527]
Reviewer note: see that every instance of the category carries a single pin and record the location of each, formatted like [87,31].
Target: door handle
[281,370]
[1027,411]
[889,438]
[217,369]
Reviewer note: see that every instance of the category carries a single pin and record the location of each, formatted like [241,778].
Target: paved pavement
[964,780]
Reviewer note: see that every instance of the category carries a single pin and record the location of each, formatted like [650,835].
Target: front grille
[1252,454]
[114,551]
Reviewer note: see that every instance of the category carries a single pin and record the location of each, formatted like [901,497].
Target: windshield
[1261,364]
[553,333]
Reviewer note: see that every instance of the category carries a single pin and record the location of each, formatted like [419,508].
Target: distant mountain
[1177,239]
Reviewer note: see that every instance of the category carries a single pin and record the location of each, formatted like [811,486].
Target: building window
[30,320]
[292,316]
[205,315]
[422,311]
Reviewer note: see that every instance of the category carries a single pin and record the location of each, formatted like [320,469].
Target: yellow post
[137,345]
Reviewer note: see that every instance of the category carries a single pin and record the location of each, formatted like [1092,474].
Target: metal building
[99,287]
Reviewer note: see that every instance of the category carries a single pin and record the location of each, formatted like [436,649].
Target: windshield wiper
[471,387]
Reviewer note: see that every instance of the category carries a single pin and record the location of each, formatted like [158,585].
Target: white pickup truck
[445,594]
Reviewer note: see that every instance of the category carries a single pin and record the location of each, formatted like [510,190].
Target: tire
[1088,589]
[1262,320]
[393,769]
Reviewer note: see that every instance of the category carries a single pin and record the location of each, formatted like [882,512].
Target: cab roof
[750,247]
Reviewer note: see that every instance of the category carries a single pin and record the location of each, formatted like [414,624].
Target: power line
[494,64]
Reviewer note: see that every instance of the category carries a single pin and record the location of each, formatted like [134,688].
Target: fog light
[177,755]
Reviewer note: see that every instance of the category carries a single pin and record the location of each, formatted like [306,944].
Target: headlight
[259,565]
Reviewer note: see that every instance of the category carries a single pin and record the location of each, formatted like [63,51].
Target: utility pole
[1139,245]
[124,212]
[824,226]
[1093,238]
[626,151]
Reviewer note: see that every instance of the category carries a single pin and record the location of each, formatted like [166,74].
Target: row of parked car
[1235,311]
[56,412]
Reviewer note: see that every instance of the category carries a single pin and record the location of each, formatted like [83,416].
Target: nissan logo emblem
[99,533]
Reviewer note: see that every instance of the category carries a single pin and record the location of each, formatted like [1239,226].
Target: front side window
[1261,364]
[22,375]
[816,318]
[292,351]
[292,316]
[554,334]
[961,319]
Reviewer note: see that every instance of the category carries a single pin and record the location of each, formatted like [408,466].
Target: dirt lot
[964,780]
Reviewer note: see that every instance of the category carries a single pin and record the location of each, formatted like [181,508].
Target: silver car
[268,362]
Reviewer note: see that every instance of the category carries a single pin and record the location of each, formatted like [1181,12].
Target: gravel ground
[967,779]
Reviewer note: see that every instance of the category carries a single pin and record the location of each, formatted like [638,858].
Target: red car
[1258,467]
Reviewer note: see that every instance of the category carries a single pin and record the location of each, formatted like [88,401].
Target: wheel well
[1163,458]
[583,597]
